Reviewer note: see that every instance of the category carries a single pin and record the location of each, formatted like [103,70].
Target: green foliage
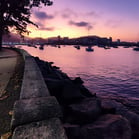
[15,14]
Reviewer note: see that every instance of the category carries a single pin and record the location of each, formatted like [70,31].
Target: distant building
[59,38]
[118,40]
[66,39]
[104,41]
[110,39]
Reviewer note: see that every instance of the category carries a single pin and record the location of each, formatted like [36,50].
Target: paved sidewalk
[8,59]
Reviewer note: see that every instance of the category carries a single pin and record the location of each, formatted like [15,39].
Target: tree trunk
[1,38]
[1,29]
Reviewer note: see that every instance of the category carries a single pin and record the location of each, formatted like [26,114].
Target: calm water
[111,73]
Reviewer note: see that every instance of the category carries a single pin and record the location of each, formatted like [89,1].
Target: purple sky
[73,18]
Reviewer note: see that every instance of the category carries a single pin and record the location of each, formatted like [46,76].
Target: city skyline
[105,18]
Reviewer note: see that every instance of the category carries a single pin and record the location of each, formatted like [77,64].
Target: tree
[15,14]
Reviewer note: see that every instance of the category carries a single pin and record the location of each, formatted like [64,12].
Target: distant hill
[11,38]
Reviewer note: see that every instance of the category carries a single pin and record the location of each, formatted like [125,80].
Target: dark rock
[107,127]
[85,111]
[71,92]
[54,85]
[112,104]
[62,75]
[52,75]
[107,108]
[44,66]
[64,90]
[132,117]
[78,80]
[51,63]
[37,58]
[48,67]
[72,131]
[55,67]
[86,92]
[58,74]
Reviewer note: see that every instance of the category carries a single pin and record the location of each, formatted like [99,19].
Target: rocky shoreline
[85,115]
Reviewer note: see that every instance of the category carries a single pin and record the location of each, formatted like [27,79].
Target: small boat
[89,49]
[77,46]
[34,46]
[115,46]
[126,46]
[136,49]
[107,47]
[41,47]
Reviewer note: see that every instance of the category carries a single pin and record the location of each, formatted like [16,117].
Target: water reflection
[108,72]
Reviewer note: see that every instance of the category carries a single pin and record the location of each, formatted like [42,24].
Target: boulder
[55,67]
[64,90]
[37,58]
[107,127]
[108,107]
[78,80]
[35,109]
[86,110]
[86,92]
[71,93]
[59,74]
[132,117]
[72,131]
[48,129]
[51,63]
[55,86]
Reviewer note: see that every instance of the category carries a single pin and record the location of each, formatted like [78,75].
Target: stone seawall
[83,114]
[36,114]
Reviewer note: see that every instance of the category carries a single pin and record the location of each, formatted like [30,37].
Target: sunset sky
[73,18]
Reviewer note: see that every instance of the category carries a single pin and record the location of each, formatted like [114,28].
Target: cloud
[47,28]
[113,23]
[93,13]
[68,13]
[39,24]
[65,15]
[43,27]
[43,15]
[81,24]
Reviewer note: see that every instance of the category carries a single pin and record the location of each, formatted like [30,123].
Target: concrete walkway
[8,59]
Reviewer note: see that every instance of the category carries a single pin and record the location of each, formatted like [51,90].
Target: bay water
[111,73]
